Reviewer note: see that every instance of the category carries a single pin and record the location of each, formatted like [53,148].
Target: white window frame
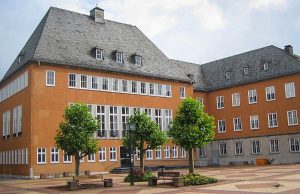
[134,87]
[182,153]
[290,91]
[102,154]
[113,118]
[114,84]
[255,147]
[91,157]
[125,86]
[6,123]
[119,57]
[149,154]
[151,89]
[71,81]
[168,119]
[270,93]
[54,155]
[182,92]
[221,126]
[158,118]
[158,153]
[272,120]
[99,54]
[274,146]
[104,84]
[67,159]
[167,151]
[175,152]
[143,88]
[168,92]
[237,124]
[238,148]
[138,60]
[83,82]
[223,148]
[292,117]
[220,102]
[50,81]
[42,152]
[201,100]
[254,122]
[294,144]
[113,154]
[94,83]
[236,99]
[252,96]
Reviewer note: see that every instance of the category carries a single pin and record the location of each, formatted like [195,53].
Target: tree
[147,135]
[75,133]
[192,128]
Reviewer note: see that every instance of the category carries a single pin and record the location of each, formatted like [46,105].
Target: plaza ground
[240,179]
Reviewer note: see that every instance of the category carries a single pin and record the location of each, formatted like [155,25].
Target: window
[222,149]
[134,87]
[158,153]
[274,146]
[151,89]
[290,90]
[236,99]
[168,90]
[270,93]
[254,122]
[6,123]
[220,102]
[272,120]
[67,158]
[238,148]
[100,114]
[125,118]
[158,118]
[124,86]
[167,152]
[168,119]
[183,153]
[54,153]
[255,147]
[228,75]
[149,154]
[137,153]
[174,152]
[159,89]
[83,81]
[246,70]
[182,92]
[237,124]
[138,60]
[72,80]
[105,83]
[119,57]
[113,154]
[91,157]
[41,155]
[294,144]
[266,66]
[102,154]
[115,84]
[202,152]
[252,96]
[95,85]
[113,117]
[201,100]
[221,126]
[99,54]
[143,88]
[148,111]
[292,117]
[50,78]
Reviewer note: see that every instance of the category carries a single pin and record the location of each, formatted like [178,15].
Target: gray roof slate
[66,37]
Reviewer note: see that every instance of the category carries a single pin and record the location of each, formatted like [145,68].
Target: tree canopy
[75,133]
[192,127]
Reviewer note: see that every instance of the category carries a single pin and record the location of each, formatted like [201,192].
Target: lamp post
[129,133]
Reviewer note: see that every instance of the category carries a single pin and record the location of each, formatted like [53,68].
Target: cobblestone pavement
[242,179]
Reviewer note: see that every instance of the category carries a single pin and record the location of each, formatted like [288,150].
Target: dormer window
[266,66]
[119,57]
[138,60]
[246,70]
[227,74]
[99,54]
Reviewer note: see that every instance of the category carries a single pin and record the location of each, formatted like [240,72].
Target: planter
[44,176]
[178,182]
[73,185]
[66,174]
[108,183]
[152,181]
[261,161]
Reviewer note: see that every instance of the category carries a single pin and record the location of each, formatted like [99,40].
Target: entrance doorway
[124,156]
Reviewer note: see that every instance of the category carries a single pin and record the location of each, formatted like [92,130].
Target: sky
[197,31]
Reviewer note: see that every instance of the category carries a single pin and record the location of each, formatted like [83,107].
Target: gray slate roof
[211,76]
[66,37]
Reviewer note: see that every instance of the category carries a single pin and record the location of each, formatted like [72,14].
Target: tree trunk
[142,156]
[191,161]
[77,164]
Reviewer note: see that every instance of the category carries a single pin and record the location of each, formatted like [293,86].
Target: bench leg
[108,183]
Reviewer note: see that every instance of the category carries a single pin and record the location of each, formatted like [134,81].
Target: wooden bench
[75,183]
[173,176]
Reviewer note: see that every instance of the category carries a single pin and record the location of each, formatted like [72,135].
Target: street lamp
[130,131]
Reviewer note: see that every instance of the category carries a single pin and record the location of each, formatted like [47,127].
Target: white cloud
[261,4]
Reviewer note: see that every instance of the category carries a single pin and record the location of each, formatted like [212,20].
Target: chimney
[97,14]
[288,49]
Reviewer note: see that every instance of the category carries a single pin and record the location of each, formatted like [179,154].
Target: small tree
[75,133]
[192,128]
[147,135]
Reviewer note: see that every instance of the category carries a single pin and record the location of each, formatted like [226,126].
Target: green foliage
[75,133]
[192,127]
[197,179]
[139,176]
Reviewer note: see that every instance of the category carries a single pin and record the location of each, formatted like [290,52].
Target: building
[115,69]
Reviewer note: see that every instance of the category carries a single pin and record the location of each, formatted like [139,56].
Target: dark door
[124,157]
